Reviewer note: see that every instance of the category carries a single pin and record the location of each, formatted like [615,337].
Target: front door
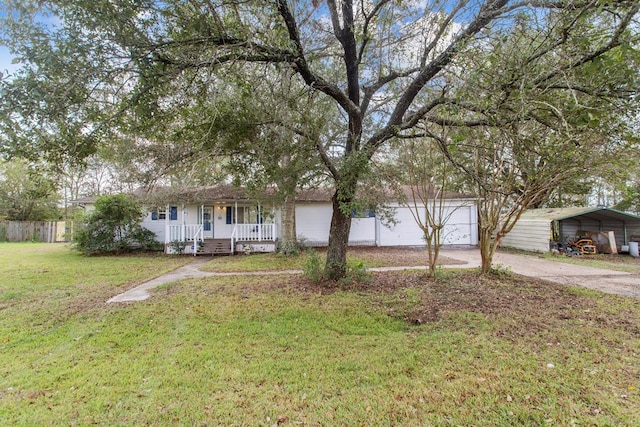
[207,222]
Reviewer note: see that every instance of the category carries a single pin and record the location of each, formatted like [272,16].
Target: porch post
[184,226]
[274,230]
[166,224]
[259,224]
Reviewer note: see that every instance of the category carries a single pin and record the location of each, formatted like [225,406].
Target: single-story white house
[224,219]
[537,228]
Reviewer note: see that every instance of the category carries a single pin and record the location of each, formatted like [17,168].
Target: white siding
[529,235]
[159,226]
[312,223]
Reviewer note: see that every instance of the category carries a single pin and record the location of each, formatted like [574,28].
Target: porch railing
[254,232]
[185,233]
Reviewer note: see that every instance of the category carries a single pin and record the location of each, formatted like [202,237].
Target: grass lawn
[371,257]
[280,350]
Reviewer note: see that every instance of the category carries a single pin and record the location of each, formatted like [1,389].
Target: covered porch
[220,227]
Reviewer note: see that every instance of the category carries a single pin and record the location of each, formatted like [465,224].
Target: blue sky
[5,61]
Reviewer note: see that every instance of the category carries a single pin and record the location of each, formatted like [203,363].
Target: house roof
[314,195]
[220,193]
[230,193]
[559,214]
[448,195]
[324,194]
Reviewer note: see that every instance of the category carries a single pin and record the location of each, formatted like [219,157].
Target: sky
[6,67]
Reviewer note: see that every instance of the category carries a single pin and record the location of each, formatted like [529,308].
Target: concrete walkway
[609,281]
[189,271]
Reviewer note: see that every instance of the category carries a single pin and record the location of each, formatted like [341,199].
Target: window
[229,214]
[161,214]
[246,215]
[363,213]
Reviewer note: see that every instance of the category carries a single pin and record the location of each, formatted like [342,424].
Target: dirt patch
[540,305]
[393,257]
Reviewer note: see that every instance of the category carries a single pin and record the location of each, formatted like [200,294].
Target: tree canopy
[26,194]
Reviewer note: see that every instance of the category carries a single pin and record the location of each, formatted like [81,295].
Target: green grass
[277,261]
[278,350]
[258,262]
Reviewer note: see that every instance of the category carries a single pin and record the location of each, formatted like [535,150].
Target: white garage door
[460,229]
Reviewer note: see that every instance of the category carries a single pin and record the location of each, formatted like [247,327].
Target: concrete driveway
[605,280]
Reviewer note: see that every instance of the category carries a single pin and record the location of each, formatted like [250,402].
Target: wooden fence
[36,231]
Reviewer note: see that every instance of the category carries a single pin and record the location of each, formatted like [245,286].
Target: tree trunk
[289,239]
[487,250]
[336,266]
[433,248]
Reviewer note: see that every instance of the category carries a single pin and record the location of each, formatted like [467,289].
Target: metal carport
[537,227]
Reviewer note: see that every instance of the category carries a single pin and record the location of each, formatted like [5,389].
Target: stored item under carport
[582,247]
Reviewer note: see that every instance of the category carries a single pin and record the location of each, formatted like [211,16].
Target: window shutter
[229,212]
[154,215]
[174,213]
[372,213]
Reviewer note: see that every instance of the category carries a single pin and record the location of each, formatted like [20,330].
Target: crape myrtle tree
[421,167]
[384,65]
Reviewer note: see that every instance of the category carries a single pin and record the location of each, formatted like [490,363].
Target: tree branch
[302,67]
[485,15]
[611,44]
[366,38]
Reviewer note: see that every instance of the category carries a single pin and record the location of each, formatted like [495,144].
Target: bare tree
[429,175]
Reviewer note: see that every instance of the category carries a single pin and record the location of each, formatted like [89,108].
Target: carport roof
[559,214]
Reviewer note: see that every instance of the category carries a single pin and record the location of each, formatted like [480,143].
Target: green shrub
[178,246]
[292,248]
[313,267]
[356,273]
[114,227]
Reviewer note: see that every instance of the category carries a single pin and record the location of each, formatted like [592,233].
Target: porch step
[215,247]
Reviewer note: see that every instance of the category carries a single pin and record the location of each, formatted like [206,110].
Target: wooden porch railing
[184,233]
[254,232]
